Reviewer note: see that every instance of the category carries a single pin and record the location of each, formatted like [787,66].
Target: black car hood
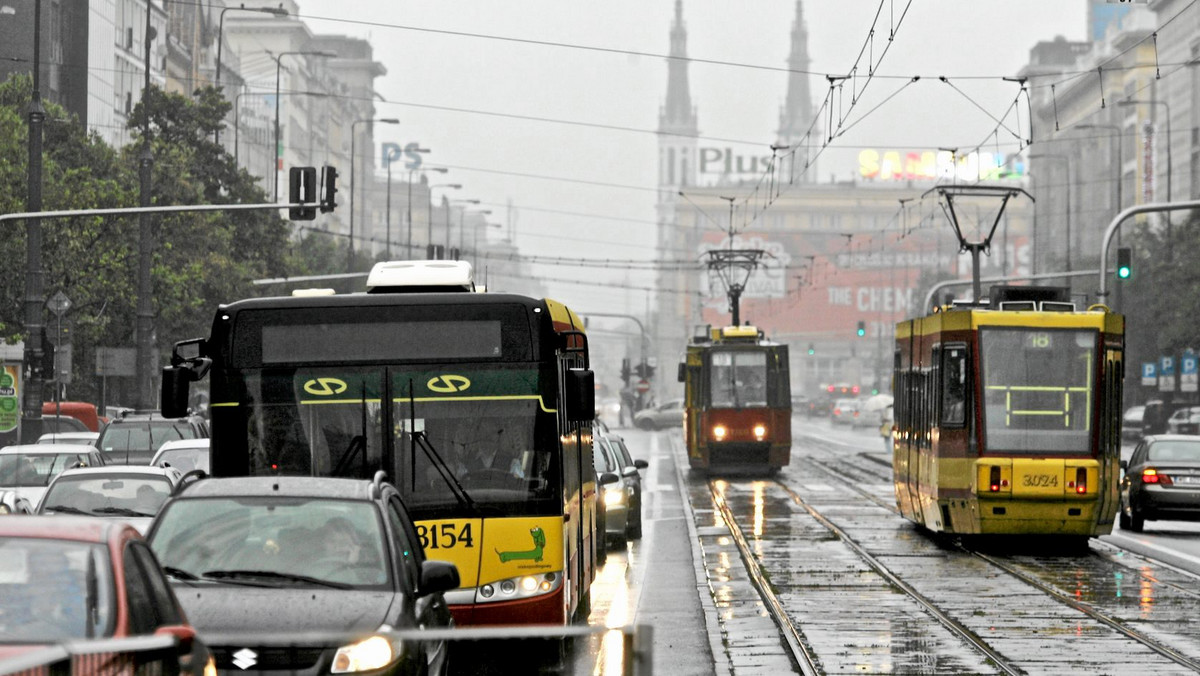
[227,609]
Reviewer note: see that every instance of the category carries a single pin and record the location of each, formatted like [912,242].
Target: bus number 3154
[445,536]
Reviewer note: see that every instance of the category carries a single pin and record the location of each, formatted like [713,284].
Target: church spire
[796,117]
[678,115]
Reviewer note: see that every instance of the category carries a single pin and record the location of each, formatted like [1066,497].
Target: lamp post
[388,214]
[460,212]
[429,209]
[1067,161]
[408,242]
[1151,102]
[475,244]
[461,228]
[279,12]
[353,167]
[278,66]
[34,290]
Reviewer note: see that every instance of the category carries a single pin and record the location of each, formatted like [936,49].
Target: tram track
[1107,619]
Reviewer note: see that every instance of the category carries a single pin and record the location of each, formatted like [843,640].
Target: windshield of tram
[1038,389]
[738,379]
[484,441]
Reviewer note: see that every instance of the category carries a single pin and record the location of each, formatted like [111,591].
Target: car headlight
[614,496]
[210,667]
[375,652]
[4,509]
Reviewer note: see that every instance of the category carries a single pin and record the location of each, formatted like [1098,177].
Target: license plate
[1190,480]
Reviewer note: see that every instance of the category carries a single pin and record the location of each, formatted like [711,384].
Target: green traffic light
[862,332]
[1123,273]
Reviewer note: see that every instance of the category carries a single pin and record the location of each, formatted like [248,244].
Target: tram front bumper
[1019,517]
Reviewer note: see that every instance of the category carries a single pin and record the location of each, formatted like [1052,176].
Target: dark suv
[304,575]
[133,438]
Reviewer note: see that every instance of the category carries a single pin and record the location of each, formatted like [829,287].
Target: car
[310,559]
[622,499]
[184,455]
[54,569]
[134,438]
[608,409]
[62,423]
[1131,423]
[1184,421]
[665,415]
[845,411]
[1161,481]
[1156,415]
[88,438]
[27,469]
[84,412]
[131,493]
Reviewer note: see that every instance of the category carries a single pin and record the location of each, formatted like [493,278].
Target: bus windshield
[1038,389]
[466,443]
[739,379]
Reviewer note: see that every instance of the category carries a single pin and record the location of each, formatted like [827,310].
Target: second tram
[478,406]
[737,401]
[1008,416]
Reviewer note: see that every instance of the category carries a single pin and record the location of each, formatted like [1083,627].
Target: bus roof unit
[420,277]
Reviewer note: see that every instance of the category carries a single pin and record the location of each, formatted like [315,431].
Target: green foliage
[1162,300]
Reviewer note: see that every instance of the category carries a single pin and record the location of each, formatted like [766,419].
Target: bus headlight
[520,587]
[719,432]
[375,652]
[760,431]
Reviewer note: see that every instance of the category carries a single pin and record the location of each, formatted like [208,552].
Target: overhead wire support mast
[733,268]
[984,246]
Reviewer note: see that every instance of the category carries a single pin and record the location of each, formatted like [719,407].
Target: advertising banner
[10,404]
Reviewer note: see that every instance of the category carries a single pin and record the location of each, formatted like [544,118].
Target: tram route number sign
[1166,374]
[1188,380]
[1149,373]
[643,386]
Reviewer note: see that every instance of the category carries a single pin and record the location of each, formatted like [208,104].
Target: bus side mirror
[682,372]
[175,385]
[580,397]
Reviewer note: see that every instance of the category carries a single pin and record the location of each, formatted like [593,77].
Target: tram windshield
[1038,389]
[738,379]
[494,452]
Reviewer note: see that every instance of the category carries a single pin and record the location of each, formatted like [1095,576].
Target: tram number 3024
[1039,481]
[445,535]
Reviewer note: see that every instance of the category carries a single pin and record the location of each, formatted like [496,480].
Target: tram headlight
[760,431]
[368,654]
[719,432]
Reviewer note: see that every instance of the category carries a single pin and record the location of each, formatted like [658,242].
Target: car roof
[175,444]
[59,527]
[1171,437]
[290,486]
[47,449]
[148,470]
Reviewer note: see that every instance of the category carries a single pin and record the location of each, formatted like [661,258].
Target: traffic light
[625,372]
[1124,263]
[302,188]
[649,371]
[862,329]
[328,189]
[811,350]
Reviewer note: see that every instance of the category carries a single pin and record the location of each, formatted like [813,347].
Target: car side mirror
[182,633]
[438,576]
[609,478]
[641,464]
[1125,464]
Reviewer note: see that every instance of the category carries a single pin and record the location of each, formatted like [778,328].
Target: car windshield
[1174,450]
[35,469]
[185,459]
[601,456]
[48,586]
[143,436]
[108,494]
[275,541]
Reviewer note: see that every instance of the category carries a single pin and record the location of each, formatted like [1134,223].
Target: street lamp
[459,218]
[408,242]
[1067,161]
[353,167]
[388,244]
[279,12]
[429,206]
[475,244]
[278,66]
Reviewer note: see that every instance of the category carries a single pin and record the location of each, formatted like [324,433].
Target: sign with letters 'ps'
[1166,374]
[1149,373]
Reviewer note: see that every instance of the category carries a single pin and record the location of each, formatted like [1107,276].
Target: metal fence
[145,656]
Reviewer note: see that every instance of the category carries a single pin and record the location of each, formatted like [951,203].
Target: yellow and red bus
[1008,416]
[737,401]
[478,406]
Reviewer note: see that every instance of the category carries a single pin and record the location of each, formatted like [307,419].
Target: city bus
[478,406]
[737,401]
[1008,416]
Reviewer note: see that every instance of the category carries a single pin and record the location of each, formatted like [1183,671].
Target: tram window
[954,385]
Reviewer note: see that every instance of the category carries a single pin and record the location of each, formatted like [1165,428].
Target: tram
[1008,416]
[478,406]
[737,401]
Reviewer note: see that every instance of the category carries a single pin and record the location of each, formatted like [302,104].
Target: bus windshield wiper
[435,458]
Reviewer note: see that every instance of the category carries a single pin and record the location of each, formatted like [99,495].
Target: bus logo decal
[539,545]
[448,383]
[325,386]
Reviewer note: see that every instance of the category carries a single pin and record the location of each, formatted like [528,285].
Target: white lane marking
[818,487]
[1174,553]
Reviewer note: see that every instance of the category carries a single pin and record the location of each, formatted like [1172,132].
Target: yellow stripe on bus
[515,397]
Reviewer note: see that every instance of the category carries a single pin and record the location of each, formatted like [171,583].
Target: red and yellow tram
[737,401]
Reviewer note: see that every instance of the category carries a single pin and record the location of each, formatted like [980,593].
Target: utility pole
[31,427]
[145,304]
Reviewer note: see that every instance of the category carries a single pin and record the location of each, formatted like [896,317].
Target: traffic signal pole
[1115,225]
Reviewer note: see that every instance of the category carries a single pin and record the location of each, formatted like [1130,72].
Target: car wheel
[633,530]
[1136,521]
[1123,519]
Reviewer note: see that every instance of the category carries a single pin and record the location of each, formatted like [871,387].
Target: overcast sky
[480,75]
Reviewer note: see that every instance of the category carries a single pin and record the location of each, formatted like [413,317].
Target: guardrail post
[638,654]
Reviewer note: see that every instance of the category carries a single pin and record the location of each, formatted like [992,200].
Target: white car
[184,455]
[665,415]
[130,493]
[69,438]
[27,469]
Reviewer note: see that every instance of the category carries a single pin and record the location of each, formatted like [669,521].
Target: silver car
[663,416]
[26,470]
[130,493]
